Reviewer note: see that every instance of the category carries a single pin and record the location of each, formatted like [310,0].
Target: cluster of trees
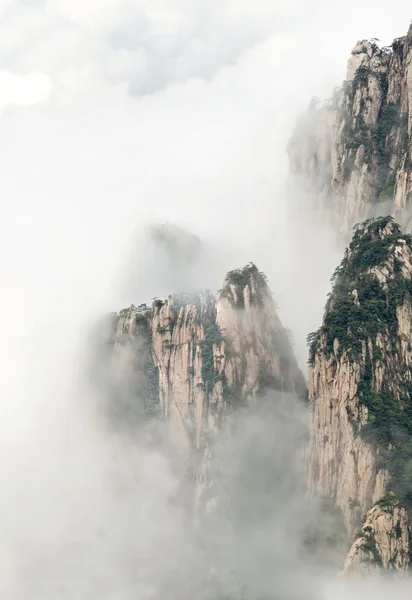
[355,319]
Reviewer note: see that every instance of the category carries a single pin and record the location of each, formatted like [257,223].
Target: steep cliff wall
[353,156]
[200,358]
[360,377]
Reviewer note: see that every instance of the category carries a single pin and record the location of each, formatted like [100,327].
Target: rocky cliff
[383,541]
[197,359]
[353,156]
[360,385]
[212,384]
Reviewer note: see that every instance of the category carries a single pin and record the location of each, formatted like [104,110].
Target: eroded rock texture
[360,385]
[352,157]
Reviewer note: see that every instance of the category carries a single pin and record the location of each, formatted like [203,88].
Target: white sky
[115,113]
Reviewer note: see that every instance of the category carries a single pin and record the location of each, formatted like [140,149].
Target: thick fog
[116,117]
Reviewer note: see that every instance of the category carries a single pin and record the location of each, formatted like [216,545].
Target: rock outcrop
[360,385]
[383,541]
[353,156]
[197,359]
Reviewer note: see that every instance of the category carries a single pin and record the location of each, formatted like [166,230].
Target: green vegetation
[182,300]
[240,278]
[149,380]
[387,501]
[350,321]
[358,309]
[151,387]
[158,303]
[398,44]
[389,118]
[212,336]
[377,141]
[369,544]
[348,166]
[362,76]
[388,193]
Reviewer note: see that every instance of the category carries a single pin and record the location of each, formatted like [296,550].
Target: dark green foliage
[377,141]
[158,303]
[346,321]
[383,80]
[192,361]
[151,387]
[150,379]
[362,76]
[213,336]
[390,426]
[389,118]
[398,45]
[348,166]
[387,194]
[182,300]
[407,155]
[161,330]
[387,501]
[354,134]
[241,278]
[369,544]
[352,323]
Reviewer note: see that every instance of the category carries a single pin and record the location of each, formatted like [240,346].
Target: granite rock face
[197,359]
[352,157]
[383,541]
[360,377]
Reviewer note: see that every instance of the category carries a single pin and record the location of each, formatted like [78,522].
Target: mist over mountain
[166,431]
[352,153]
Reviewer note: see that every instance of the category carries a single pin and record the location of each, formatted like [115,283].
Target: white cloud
[205,149]
[147,44]
[23,90]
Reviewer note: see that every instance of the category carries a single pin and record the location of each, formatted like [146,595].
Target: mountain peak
[368,286]
[378,227]
[354,153]
[246,284]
